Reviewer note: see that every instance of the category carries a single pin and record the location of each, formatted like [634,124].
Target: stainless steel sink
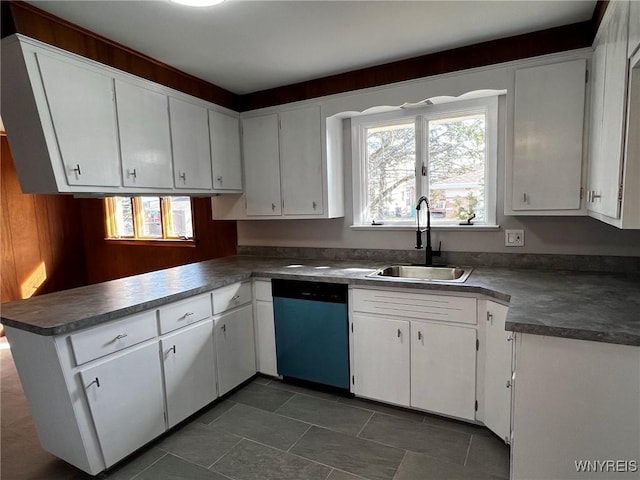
[416,272]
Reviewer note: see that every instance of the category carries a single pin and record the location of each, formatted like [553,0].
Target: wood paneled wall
[42,239]
[107,260]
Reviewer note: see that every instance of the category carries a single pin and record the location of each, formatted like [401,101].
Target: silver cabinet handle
[121,336]
[273,207]
[132,173]
[509,338]
[595,195]
[399,333]
[314,205]
[96,381]
[188,314]
[219,178]
[419,335]
[183,177]
[524,198]
[235,298]
[224,327]
[77,169]
[508,383]
[490,317]
[172,349]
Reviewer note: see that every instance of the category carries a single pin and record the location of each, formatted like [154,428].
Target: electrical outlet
[514,238]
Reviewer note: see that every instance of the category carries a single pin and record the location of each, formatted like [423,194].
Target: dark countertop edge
[574,333]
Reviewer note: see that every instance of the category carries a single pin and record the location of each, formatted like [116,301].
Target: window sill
[147,242]
[437,228]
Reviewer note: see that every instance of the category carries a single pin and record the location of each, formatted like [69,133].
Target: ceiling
[246,46]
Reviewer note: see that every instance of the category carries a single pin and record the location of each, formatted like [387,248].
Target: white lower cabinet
[188,359]
[124,394]
[265,331]
[443,369]
[497,371]
[235,348]
[381,359]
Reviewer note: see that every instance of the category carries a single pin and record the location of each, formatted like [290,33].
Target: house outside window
[446,152]
[149,218]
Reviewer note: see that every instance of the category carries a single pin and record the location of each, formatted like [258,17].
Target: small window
[446,152]
[149,218]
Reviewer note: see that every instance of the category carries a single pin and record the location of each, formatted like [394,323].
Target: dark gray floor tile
[490,455]
[252,461]
[209,415]
[381,408]
[326,413]
[262,379]
[170,467]
[423,467]
[261,396]
[135,464]
[418,437]
[457,425]
[338,475]
[354,455]
[289,387]
[200,444]
[264,427]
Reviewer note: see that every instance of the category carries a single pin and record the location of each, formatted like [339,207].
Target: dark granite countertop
[590,306]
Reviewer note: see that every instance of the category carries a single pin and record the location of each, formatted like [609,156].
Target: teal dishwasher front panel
[312,341]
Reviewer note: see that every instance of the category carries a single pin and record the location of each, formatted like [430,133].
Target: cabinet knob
[77,169]
[399,333]
[508,383]
[509,338]
[132,173]
[525,198]
[224,327]
[219,178]
[595,195]
[490,317]
[273,207]
[183,177]
[419,335]
[121,336]
[314,205]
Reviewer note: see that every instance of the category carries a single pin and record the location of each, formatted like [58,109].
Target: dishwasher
[312,340]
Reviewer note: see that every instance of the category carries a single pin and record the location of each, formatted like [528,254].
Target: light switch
[514,238]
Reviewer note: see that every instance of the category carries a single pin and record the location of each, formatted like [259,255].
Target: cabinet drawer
[231,296]
[263,290]
[416,305]
[114,336]
[184,312]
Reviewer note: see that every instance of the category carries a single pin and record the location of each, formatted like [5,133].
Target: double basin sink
[427,273]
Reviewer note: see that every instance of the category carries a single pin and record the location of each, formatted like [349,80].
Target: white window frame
[420,116]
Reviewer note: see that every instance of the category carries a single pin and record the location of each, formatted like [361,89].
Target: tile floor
[272,430]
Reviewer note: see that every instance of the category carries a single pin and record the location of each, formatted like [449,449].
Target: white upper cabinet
[82,108]
[262,165]
[608,100]
[301,161]
[145,139]
[224,132]
[547,164]
[77,126]
[293,167]
[190,145]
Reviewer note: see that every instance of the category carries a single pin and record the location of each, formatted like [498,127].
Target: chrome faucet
[429,253]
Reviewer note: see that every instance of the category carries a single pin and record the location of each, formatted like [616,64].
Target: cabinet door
[381,359]
[235,348]
[82,108]
[189,370]
[145,141]
[606,162]
[262,165]
[634,27]
[497,372]
[443,369]
[190,145]
[301,161]
[265,339]
[224,132]
[548,132]
[125,398]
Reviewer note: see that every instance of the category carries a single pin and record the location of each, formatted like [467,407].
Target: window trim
[137,212]
[420,116]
